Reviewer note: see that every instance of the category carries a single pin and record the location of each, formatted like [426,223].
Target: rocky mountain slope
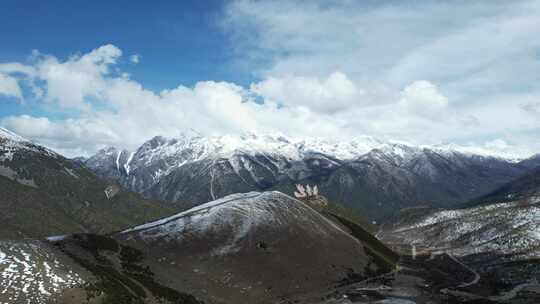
[375,177]
[42,193]
[244,248]
[256,247]
[499,236]
[524,188]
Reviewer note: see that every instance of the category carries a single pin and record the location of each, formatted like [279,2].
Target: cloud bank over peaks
[103,106]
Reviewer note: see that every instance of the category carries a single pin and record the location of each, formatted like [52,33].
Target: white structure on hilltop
[306,192]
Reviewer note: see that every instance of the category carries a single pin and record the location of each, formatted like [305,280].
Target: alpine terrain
[270,152]
[82,239]
[375,177]
[498,235]
[43,193]
[244,248]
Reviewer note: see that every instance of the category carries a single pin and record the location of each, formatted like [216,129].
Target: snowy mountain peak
[11,144]
[108,151]
[5,133]
[294,148]
[273,144]
[165,154]
[510,156]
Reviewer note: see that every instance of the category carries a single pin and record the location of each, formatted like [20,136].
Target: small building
[310,195]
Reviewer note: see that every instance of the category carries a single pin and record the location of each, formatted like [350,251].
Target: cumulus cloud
[106,107]
[423,98]
[9,86]
[335,93]
[71,82]
[135,58]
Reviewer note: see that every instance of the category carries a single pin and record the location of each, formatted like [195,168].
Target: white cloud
[9,86]
[423,98]
[423,72]
[71,82]
[479,48]
[135,58]
[106,107]
[15,67]
[335,93]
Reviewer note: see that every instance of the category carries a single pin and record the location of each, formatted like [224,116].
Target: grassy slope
[361,229]
[30,212]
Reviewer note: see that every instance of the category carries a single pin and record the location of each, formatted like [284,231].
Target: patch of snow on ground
[505,228]
[31,273]
[200,208]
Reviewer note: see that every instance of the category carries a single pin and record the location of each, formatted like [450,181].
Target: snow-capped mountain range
[373,176]
[212,250]
[226,146]
[365,173]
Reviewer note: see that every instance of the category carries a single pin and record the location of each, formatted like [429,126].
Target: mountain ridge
[44,193]
[498,234]
[362,174]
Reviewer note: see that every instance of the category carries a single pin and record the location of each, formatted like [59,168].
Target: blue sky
[180,41]
[80,75]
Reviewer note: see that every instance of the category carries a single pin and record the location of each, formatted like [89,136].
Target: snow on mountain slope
[238,214]
[189,148]
[6,134]
[32,272]
[256,247]
[109,162]
[509,228]
[10,143]
[376,177]
[507,155]
[15,149]
[167,154]
[160,156]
